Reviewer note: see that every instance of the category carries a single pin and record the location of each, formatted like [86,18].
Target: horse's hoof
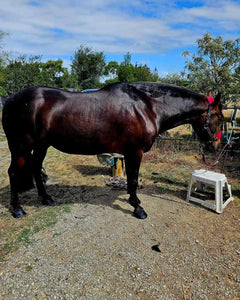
[18,213]
[47,200]
[140,213]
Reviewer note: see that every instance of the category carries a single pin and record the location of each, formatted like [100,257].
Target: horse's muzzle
[211,146]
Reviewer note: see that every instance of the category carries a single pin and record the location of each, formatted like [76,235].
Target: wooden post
[118,167]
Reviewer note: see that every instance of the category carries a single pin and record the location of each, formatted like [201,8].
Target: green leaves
[216,67]
[23,72]
[88,66]
[127,72]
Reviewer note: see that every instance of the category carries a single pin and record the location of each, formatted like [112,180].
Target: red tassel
[210,100]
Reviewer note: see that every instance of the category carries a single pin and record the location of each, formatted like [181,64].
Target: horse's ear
[217,99]
[210,94]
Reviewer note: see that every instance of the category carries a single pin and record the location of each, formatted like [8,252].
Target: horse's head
[207,126]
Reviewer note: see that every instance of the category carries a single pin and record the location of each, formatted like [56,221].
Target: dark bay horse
[120,118]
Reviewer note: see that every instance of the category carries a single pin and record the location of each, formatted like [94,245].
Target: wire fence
[193,145]
[188,142]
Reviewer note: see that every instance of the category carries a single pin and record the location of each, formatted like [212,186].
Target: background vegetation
[215,66]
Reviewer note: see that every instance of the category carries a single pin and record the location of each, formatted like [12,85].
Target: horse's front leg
[132,169]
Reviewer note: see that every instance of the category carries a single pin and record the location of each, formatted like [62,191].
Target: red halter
[210,100]
[218,136]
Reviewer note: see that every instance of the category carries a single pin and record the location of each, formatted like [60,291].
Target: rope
[219,155]
[230,142]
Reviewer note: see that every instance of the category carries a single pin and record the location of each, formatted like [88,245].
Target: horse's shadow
[70,194]
[88,194]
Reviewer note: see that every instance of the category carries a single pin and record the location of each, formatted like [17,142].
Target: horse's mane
[154,89]
[157,90]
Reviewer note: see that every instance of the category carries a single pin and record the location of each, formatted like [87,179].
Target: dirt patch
[95,249]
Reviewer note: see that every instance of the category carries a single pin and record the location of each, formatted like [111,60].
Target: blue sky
[155,32]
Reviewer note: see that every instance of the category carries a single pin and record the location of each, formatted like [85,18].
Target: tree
[176,79]
[23,72]
[127,72]
[2,60]
[88,66]
[20,73]
[143,73]
[68,80]
[111,69]
[215,67]
[51,73]
[111,72]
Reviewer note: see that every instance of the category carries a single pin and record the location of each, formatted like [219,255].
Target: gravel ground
[100,251]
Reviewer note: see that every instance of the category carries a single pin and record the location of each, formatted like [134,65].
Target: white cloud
[217,14]
[58,27]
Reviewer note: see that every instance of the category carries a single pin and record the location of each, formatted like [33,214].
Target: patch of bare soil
[98,250]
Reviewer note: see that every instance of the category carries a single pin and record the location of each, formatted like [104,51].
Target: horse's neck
[175,111]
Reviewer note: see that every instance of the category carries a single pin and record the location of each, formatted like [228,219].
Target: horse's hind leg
[39,154]
[15,208]
[132,163]
[20,176]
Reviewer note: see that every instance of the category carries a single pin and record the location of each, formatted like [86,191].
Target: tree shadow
[167,193]
[156,177]
[87,170]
